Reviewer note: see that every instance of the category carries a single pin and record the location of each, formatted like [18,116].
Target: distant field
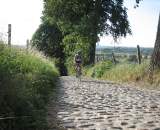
[124,50]
[122,54]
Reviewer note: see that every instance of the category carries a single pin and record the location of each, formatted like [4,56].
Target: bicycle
[78,72]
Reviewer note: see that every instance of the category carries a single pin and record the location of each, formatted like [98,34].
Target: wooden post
[9,34]
[138,54]
[27,44]
[97,57]
[113,57]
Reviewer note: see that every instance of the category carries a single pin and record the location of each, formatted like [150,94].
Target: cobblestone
[98,105]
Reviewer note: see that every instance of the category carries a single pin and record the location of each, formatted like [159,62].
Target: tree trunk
[95,21]
[92,52]
[155,59]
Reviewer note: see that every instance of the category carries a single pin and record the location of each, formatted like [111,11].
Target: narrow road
[98,105]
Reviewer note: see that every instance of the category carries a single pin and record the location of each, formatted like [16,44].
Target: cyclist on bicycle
[78,60]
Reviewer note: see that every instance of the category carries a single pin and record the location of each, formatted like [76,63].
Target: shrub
[26,81]
[99,69]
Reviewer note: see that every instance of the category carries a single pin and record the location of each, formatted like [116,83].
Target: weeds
[26,81]
[122,72]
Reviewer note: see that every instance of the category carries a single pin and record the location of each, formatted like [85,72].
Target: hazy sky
[143,21]
[24,15]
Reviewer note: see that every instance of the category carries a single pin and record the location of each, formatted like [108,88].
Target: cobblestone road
[98,105]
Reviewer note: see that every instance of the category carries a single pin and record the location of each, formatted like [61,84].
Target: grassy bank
[122,72]
[26,81]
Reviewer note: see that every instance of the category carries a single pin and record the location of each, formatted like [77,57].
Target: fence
[134,55]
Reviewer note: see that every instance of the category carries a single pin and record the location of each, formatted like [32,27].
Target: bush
[26,81]
[99,69]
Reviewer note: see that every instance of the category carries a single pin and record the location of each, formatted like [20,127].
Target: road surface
[99,105]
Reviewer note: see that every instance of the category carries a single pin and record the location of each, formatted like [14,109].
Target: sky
[24,15]
[143,21]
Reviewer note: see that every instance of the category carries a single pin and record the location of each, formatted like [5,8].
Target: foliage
[26,81]
[70,25]
[73,43]
[88,18]
[125,72]
[99,69]
[109,16]
[48,39]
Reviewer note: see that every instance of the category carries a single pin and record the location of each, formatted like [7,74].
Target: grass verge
[26,82]
[123,72]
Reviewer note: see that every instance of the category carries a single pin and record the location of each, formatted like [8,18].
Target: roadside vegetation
[127,71]
[71,25]
[26,81]
[27,78]
[122,72]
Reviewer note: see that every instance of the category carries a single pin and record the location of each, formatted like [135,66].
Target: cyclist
[78,61]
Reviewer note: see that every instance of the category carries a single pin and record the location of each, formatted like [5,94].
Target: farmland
[121,53]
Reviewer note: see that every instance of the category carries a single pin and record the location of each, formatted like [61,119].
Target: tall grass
[26,81]
[126,72]
[123,72]
[99,69]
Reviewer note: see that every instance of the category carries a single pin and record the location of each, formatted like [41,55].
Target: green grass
[99,69]
[122,72]
[26,82]
[126,72]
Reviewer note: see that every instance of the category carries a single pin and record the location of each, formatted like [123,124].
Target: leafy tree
[77,24]
[48,39]
[74,42]
[89,18]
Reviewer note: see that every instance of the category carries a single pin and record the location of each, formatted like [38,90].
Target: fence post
[98,58]
[9,34]
[139,54]
[103,57]
[27,43]
[113,57]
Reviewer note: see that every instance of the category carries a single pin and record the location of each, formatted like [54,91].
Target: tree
[155,59]
[48,39]
[73,43]
[88,18]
